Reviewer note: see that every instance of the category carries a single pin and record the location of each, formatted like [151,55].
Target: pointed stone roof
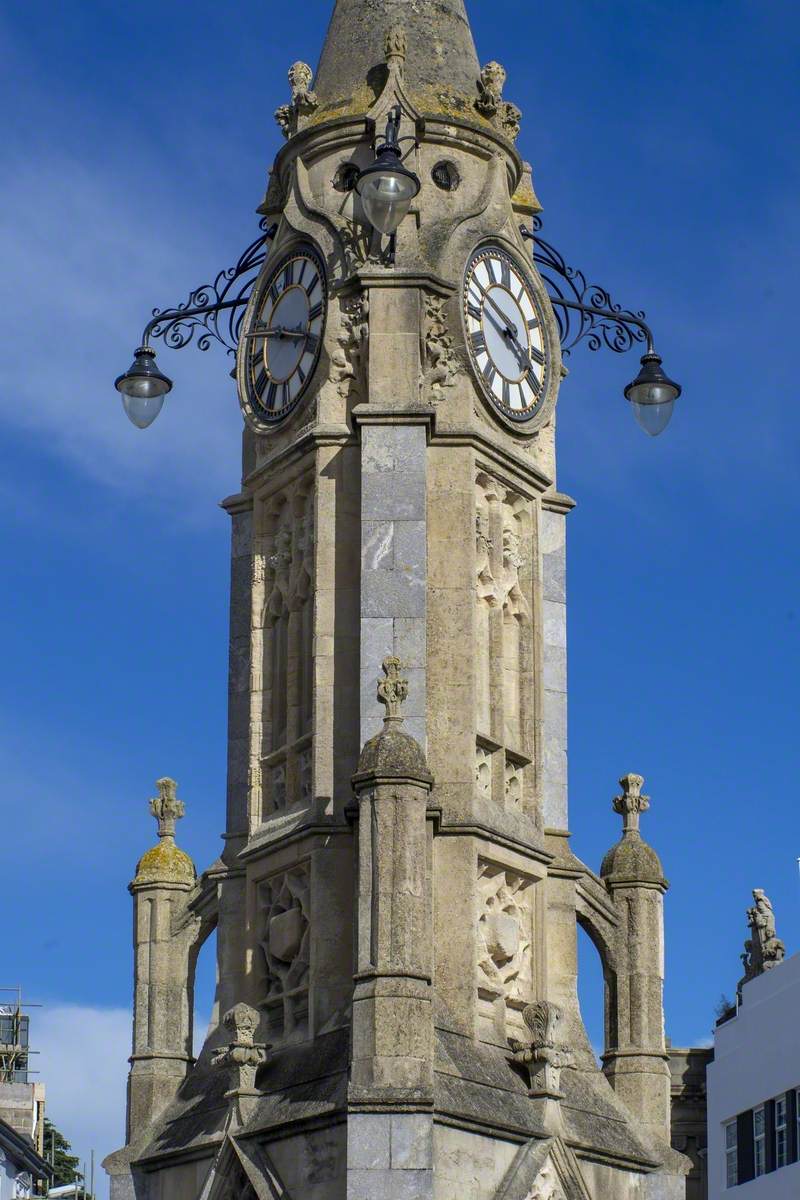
[441,66]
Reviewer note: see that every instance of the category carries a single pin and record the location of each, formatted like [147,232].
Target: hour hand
[275,331]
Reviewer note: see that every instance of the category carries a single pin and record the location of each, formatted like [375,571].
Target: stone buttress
[396,903]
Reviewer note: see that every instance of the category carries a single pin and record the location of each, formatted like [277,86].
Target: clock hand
[510,329]
[278,331]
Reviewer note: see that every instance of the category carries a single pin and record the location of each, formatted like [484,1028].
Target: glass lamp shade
[653,396]
[386,189]
[143,388]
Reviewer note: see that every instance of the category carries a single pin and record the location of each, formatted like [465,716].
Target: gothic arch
[598,920]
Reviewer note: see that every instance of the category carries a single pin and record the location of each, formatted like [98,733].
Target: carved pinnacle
[166,807]
[631,804]
[395,45]
[393,690]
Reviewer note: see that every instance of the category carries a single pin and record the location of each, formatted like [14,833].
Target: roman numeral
[474,311]
[524,402]
[491,270]
[288,274]
[478,342]
[505,273]
[312,342]
[537,356]
[285,395]
[260,383]
[274,293]
[303,265]
[272,392]
[489,372]
[532,381]
[315,312]
[312,287]
[506,394]
[301,375]
[534,321]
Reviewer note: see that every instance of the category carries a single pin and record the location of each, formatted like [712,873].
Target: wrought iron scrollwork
[213,311]
[584,310]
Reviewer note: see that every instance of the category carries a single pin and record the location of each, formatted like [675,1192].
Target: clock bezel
[530,420]
[257,416]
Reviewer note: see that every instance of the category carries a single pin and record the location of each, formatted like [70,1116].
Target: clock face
[282,338]
[505,330]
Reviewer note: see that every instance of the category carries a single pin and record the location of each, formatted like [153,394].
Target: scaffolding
[14,1038]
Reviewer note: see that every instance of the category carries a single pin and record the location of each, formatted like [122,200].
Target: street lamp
[143,388]
[652,395]
[385,187]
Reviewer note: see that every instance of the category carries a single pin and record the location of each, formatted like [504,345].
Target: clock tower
[396,903]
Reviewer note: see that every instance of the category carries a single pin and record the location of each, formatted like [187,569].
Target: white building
[753,1088]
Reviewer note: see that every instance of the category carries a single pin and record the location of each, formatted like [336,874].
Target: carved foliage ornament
[349,360]
[243,1055]
[438,356]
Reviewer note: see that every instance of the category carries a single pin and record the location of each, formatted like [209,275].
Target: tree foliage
[57,1152]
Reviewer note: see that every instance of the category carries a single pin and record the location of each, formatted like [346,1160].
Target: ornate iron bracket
[202,312]
[600,320]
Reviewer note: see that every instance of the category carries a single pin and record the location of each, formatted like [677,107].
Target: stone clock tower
[396,903]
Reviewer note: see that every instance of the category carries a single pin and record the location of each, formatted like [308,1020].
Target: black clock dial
[505,331]
[283,337]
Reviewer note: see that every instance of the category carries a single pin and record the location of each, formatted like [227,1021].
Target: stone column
[635,1061]
[162,1020]
[390,1126]
[553,768]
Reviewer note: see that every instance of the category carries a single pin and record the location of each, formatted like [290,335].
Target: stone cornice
[558,502]
[391,277]
[478,829]
[500,456]
[307,439]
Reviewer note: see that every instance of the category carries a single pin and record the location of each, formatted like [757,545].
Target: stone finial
[393,690]
[764,949]
[241,1058]
[544,1054]
[396,45]
[166,807]
[631,804]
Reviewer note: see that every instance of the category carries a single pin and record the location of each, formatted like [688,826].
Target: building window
[781,1132]
[759,1141]
[731,1161]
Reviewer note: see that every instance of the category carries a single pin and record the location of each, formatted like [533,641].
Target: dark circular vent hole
[346,177]
[445,175]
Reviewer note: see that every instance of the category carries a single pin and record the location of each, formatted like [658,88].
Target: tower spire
[441,70]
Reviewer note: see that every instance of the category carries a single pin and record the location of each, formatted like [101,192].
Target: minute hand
[511,328]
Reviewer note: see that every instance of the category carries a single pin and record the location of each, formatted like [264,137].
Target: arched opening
[592,991]
[203,981]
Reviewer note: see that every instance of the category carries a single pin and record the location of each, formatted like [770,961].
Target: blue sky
[664,142]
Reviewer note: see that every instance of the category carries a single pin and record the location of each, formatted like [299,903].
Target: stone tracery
[284,922]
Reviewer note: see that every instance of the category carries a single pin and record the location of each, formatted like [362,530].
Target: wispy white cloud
[82,1060]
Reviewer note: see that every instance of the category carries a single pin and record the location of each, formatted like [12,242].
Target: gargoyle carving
[506,117]
[304,100]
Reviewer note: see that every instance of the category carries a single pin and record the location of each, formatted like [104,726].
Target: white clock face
[283,336]
[504,325]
